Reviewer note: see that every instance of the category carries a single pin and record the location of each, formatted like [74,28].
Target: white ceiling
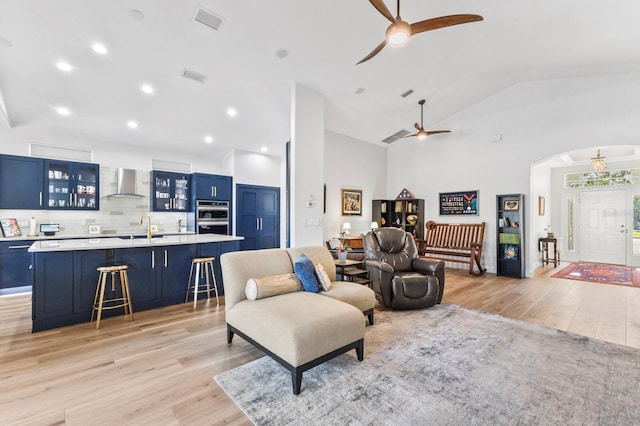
[452,68]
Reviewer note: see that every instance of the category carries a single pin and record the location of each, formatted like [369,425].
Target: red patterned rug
[601,273]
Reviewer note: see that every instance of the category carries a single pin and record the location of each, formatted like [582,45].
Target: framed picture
[351,202]
[511,252]
[94,229]
[511,204]
[454,203]
[10,228]
[541,206]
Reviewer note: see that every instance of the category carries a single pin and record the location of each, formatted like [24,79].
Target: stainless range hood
[126,188]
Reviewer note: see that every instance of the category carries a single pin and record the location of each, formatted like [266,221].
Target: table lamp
[374,225]
[346,227]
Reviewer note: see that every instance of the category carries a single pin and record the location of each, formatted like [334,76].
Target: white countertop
[65,236]
[113,243]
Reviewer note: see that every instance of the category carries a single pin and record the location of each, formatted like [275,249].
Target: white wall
[307,175]
[352,164]
[536,120]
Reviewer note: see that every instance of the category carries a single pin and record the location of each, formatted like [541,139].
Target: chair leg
[195,286]
[186,299]
[103,284]
[215,284]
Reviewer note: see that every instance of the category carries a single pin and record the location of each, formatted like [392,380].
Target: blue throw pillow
[305,270]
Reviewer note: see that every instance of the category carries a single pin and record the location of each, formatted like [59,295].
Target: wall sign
[459,203]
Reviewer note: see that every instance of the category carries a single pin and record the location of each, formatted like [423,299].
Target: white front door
[603,226]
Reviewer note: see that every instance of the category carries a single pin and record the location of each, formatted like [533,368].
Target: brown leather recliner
[401,279]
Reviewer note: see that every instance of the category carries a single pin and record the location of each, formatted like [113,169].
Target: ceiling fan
[422,133]
[399,31]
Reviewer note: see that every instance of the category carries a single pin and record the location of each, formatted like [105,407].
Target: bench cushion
[298,327]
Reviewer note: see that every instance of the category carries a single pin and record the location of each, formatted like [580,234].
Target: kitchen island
[66,277]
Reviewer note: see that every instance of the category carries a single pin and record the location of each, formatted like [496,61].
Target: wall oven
[212,217]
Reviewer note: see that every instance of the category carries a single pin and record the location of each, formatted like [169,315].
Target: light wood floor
[158,370]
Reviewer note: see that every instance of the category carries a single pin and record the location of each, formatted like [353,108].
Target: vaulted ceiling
[263,47]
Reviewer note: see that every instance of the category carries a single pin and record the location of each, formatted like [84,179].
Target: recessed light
[63,111]
[231,112]
[359,90]
[136,14]
[282,53]
[132,124]
[99,48]
[4,42]
[64,66]
[147,88]
[208,139]
[264,149]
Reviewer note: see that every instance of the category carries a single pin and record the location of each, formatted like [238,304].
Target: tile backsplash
[116,215]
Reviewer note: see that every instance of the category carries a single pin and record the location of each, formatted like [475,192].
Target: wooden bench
[447,241]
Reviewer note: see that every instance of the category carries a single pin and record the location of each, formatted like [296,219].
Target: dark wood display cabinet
[407,214]
[510,235]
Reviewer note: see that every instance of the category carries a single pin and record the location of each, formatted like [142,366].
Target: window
[608,178]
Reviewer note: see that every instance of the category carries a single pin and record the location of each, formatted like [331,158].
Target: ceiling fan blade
[374,52]
[441,22]
[417,126]
[433,132]
[380,7]
[412,135]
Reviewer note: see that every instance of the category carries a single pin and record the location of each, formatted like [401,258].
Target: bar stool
[100,303]
[207,271]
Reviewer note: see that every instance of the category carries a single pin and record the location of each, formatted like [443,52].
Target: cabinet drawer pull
[166,260]
[18,247]
[153,260]
[40,198]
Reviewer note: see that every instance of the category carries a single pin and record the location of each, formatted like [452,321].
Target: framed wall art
[351,202]
[10,228]
[464,202]
[511,205]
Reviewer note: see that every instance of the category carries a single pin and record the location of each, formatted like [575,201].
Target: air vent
[407,93]
[194,75]
[208,18]
[394,137]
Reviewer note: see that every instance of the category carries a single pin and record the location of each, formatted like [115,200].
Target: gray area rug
[449,365]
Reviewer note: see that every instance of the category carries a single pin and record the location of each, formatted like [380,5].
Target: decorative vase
[342,256]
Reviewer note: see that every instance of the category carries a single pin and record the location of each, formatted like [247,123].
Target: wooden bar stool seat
[123,301]
[203,269]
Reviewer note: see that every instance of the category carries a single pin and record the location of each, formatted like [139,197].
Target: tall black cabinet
[510,235]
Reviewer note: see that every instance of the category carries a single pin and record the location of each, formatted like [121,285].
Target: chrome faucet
[148,223]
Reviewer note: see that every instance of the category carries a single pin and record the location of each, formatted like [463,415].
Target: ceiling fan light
[398,32]
[421,136]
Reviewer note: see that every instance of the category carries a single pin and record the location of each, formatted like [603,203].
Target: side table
[549,255]
[349,271]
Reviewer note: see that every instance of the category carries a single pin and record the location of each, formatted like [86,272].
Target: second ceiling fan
[399,31]
[422,133]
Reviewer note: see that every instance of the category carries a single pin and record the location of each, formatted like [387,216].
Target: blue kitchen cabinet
[53,290]
[143,275]
[176,262]
[85,280]
[71,186]
[21,182]
[16,266]
[212,187]
[170,192]
[216,250]
[258,216]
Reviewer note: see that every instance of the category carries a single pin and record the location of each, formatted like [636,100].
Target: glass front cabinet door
[170,191]
[71,186]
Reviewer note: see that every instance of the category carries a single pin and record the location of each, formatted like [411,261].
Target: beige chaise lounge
[298,329]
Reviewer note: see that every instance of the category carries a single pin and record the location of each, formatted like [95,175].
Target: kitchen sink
[138,236]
